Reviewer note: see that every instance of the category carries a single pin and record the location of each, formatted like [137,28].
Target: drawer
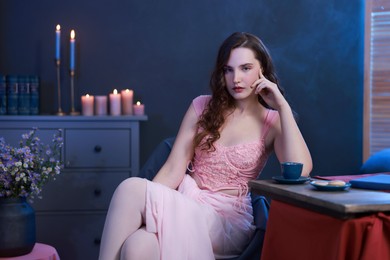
[79,191]
[14,135]
[74,235]
[97,148]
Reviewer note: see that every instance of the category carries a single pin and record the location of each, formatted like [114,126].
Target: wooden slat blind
[377,77]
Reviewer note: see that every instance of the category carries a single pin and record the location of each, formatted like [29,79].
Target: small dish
[282,180]
[330,187]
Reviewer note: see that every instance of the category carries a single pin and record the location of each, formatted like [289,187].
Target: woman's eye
[227,70]
[246,68]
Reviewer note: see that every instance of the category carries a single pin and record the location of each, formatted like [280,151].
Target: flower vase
[17,227]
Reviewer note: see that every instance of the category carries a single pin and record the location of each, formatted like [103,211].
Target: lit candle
[87,105]
[72,49]
[127,102]
[115,103]
[58,41]
[100,105]
[139,109]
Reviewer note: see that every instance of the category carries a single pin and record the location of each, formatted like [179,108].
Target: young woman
[224,140]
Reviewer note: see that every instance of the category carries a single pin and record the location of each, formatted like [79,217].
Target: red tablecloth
[39,252]
[296,233]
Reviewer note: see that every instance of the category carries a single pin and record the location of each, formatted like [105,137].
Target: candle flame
[115,92]
[127,90]
[138,103]
[58,27]
[87,96]
[72,34]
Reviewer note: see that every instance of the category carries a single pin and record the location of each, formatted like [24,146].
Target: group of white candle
[120,104]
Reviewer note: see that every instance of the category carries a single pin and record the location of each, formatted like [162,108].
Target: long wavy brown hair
[213,117]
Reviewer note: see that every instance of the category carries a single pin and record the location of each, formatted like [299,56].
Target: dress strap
[269,118]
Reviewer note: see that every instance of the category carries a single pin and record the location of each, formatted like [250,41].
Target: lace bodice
[229,167]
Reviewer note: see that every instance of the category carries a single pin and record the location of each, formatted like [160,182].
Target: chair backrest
[157,159]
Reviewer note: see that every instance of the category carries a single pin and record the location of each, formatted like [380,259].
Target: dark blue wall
[165,50]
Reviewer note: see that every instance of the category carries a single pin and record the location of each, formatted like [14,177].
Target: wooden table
[342,204]
[308,224]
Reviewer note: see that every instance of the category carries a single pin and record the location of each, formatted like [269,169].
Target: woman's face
[241,71]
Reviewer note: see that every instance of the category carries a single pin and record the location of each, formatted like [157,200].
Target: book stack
[19,95]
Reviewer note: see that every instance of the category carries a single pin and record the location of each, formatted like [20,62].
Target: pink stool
[39,252]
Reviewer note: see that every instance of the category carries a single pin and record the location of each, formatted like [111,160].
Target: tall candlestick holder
[73,111]
[59,112]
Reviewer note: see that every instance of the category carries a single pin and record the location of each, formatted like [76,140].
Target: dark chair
[259,203]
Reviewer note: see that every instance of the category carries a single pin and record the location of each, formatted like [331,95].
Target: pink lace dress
[199,222]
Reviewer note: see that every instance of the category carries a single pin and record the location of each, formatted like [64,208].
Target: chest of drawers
[98,153]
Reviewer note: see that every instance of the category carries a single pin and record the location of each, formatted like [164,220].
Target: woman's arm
[289,144]
[174,169]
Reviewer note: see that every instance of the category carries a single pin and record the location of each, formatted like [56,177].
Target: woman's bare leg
[124,217]
[141,245]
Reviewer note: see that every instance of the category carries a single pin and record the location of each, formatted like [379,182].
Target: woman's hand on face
[269,91]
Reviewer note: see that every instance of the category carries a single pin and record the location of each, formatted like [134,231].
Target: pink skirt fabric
[194,224]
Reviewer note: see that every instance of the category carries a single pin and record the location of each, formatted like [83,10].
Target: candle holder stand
[73,111]
[59,112]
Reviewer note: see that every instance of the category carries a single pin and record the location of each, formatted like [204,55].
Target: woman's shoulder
[200,103]
[272,115]
[272,119]
[202,99]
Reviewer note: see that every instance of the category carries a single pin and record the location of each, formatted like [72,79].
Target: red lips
[238,89]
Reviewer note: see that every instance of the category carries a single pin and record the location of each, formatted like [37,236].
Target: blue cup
[291,170]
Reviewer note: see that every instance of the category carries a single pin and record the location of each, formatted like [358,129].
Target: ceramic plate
[329,187]
[282,180]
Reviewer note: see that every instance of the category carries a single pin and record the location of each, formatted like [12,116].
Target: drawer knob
[98,148]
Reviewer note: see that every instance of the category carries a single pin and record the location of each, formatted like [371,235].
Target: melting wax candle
[139,109]
[72,49]
[87,105]
[127,101]
[58,41]
[115,103]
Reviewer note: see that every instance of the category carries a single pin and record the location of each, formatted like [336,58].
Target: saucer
[281,179]
[329,187]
